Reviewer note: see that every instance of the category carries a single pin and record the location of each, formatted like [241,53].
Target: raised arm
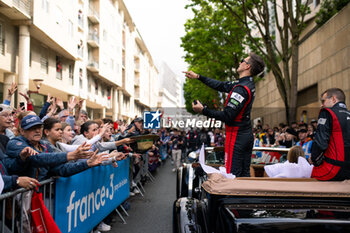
[213,83]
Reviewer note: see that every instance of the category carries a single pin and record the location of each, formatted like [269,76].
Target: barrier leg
[21,223]
[120,216]
[151,177]
[139,183]
[3,216]
[125,212]
[13,214]
[137,187]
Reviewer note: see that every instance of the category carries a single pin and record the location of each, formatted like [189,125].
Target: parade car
[212,203]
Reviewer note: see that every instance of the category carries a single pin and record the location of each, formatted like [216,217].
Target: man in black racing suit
[236,114]
[330,151]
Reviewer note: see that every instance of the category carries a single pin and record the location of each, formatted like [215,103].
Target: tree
[214,46]
[288,17]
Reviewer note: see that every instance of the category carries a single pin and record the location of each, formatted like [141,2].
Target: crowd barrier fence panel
[85,199]
[8,204]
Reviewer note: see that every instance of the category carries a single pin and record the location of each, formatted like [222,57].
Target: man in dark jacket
[236,114]
[330,151]
[47,163]
[13,181]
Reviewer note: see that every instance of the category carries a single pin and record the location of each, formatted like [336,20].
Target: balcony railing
[93,65]
[93,39]
[80,52]
[23,5]
[137,80]
[81,22]
[93,15]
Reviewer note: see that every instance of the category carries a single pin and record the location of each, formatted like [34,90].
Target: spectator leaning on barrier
[287,139]
[6,119]
[90,130]
[270,137]
[330,152]
[67,133]
[47,163]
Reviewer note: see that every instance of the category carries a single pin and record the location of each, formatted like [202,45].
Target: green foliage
[328,9]
[196,90]
[214,45]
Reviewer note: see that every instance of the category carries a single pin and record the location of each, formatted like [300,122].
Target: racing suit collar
[245,78]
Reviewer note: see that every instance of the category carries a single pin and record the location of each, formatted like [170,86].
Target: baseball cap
[302,131]
[291,131]
[30,121]
[138,119]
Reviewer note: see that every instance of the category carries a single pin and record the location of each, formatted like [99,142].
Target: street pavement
[152,213]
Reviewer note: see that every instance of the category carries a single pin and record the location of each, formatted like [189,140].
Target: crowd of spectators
[179,143]
[285,136]
[63,141]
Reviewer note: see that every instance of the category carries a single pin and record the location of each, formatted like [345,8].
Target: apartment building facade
[85,48]
[170,88]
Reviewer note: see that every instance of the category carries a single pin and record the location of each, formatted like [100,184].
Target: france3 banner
[82,201]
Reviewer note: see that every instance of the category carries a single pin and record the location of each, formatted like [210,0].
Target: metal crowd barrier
[9,225]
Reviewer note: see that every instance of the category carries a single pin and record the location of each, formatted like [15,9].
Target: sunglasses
[244,61]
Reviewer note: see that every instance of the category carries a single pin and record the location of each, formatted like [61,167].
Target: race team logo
[151,120]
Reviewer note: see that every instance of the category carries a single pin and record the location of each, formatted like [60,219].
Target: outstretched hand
[97,159]
[27,182]
[82,152]
[27,152]
[190,74]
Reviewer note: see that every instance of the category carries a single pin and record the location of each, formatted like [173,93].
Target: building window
[105,36]
[89,84]
[58,68]
[111,64]
[45,5]
[70,73]
[80,78]
[109,93]
[96,87]
[2,40]
[59,16]
[44,60]
[70,28]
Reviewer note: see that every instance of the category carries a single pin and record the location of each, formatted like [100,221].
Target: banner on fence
[85,199]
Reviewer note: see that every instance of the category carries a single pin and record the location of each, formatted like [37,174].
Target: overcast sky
[161,24]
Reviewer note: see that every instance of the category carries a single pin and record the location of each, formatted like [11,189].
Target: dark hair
[337,92]
[107,120]
[257,64]
[49,123]
[85,127]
